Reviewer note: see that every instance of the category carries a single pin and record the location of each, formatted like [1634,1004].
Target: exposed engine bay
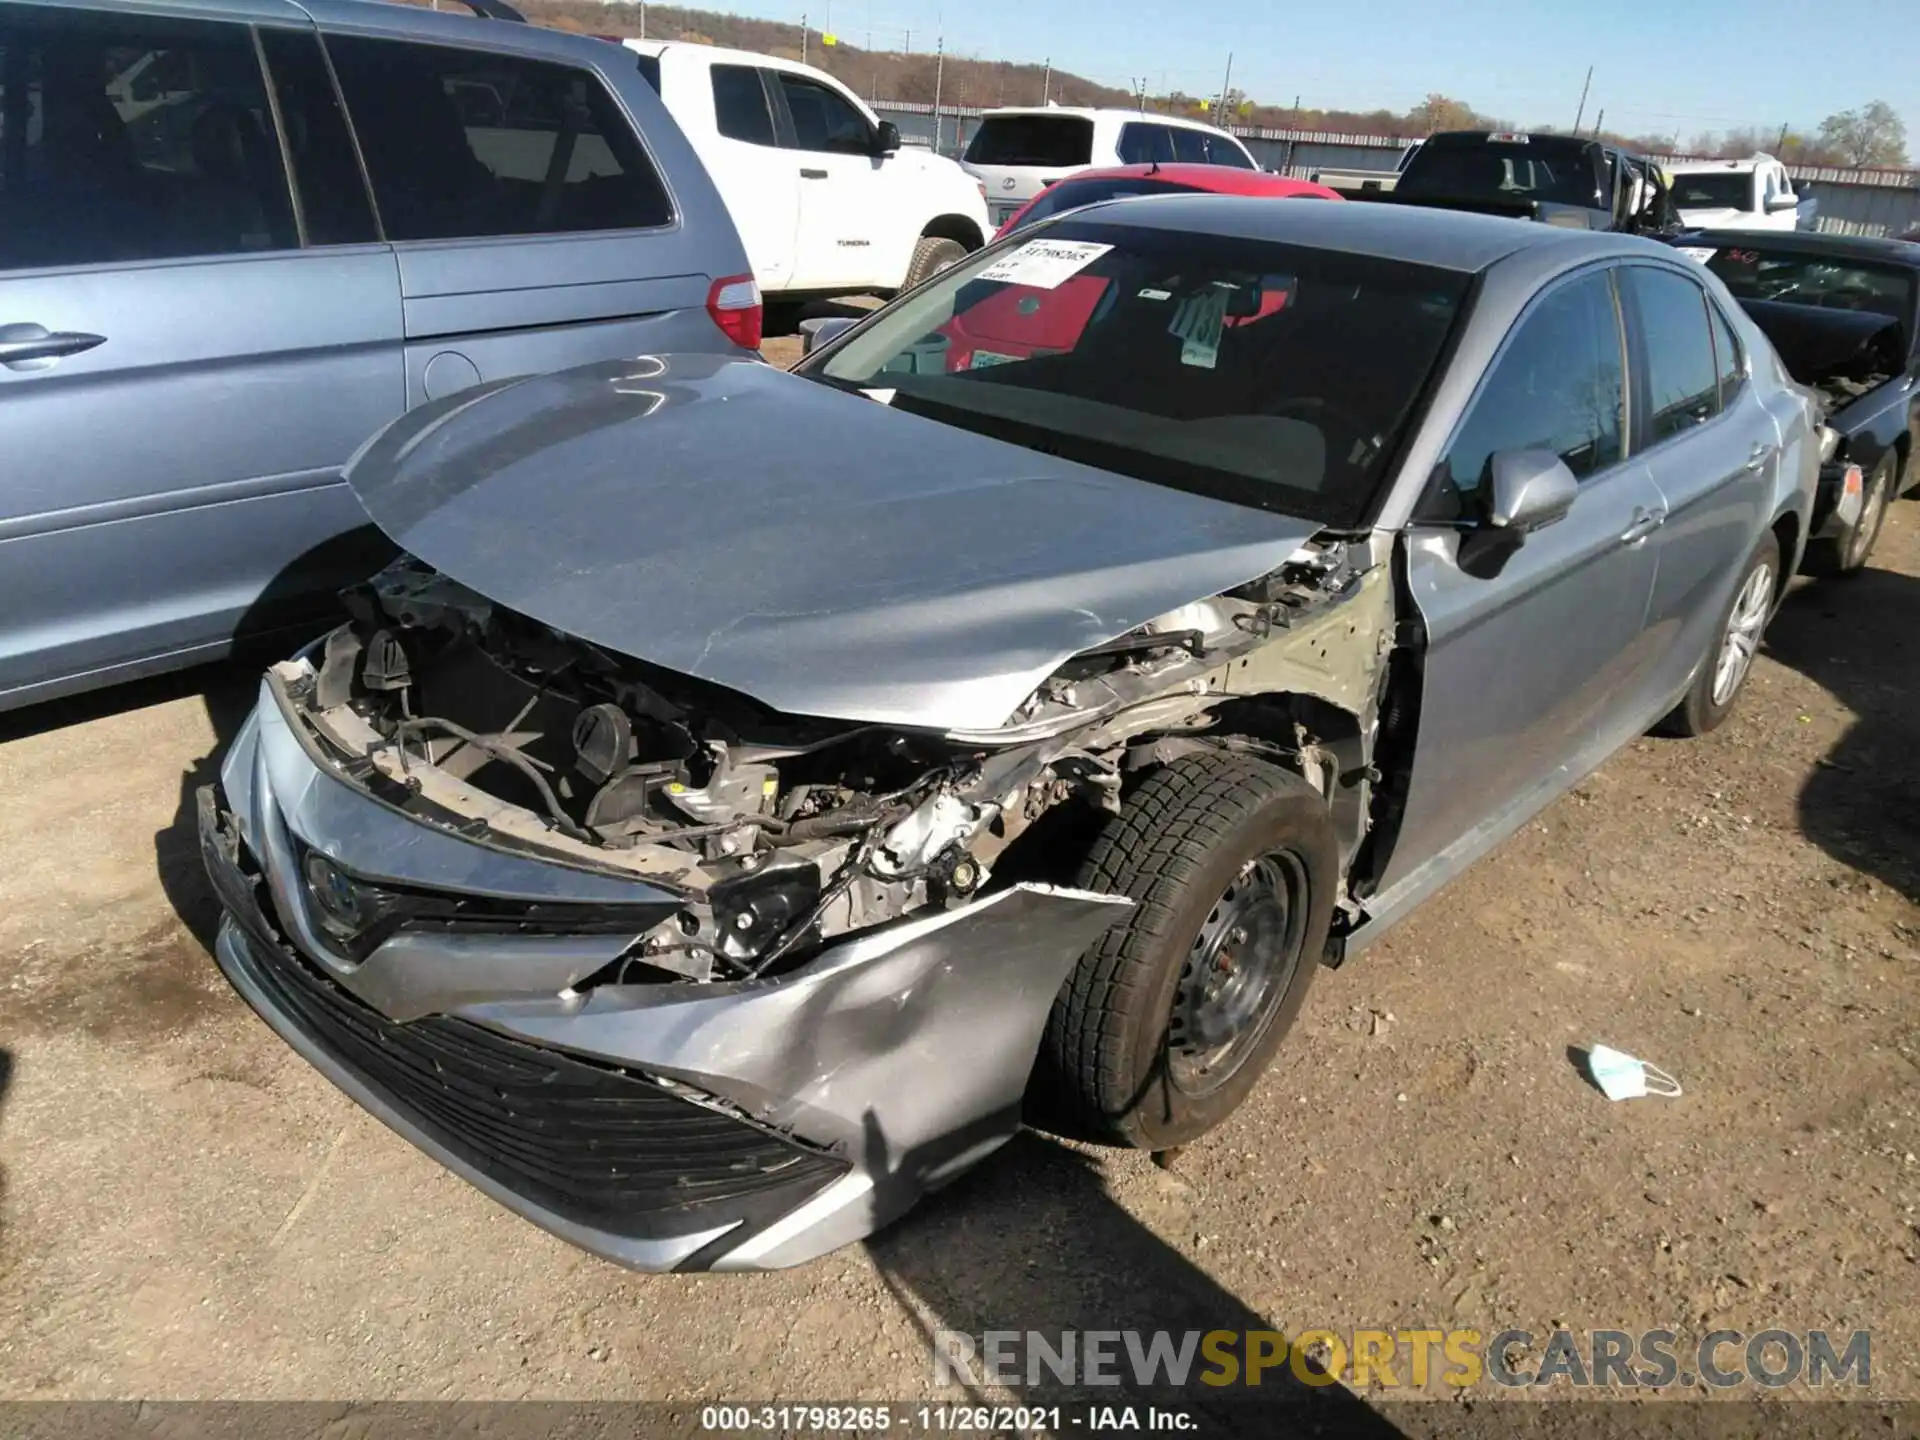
[783,831]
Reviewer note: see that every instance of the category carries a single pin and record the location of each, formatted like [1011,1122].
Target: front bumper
[732,1126]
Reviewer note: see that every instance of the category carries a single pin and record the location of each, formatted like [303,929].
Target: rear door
[835,154]
[533,229]
[189,347]
[1536,656]
[1713,449]
[757,176]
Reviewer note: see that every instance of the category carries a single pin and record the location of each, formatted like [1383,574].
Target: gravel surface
[189,1211]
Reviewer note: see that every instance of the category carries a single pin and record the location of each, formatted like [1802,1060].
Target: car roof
[1811,242]
[1215,179]
[1095,112]
[1722,167]
[456,25]
[1447,239]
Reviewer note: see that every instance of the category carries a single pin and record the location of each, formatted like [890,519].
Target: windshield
[1756,273]
[1260,373]
[1071,194]
[1032,140]
[1474,167]
[1723,191]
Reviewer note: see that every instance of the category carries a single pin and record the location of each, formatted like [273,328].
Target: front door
[186,356]
[1534,652]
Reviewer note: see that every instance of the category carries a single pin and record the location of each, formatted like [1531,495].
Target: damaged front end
[687,980]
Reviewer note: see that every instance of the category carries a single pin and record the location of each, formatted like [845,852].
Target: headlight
[1829,443]
[345,908]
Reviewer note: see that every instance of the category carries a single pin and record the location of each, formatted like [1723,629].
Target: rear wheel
[1847,553]
[932,255]
[1736,642]
[1165,1025]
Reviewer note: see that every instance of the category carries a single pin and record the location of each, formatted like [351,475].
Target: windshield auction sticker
[1044,264]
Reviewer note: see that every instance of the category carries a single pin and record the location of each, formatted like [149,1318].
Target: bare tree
[1871,135]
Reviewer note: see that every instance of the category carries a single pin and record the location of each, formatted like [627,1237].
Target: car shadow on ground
[1032,1240]
[1859,639]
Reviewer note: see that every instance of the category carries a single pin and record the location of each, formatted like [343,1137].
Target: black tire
[1116,1064]
[1704,710]
[931,256]
[1847,554]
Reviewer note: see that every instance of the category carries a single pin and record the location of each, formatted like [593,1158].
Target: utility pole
[1598,121]
[643,18]
[939,79]
[1225,85]
[1581,113]
[1780,144]
[803,37]
[1046,83]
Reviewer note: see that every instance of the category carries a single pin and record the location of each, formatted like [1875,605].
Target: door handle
[1644,523]
[806,174]
[21,344]
[1759,455]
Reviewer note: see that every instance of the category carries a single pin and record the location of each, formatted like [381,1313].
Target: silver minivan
[237,237]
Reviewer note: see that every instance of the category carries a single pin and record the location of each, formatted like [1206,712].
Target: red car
[1019,322]
[1084,187]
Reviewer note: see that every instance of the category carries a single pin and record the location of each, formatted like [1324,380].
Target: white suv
[1019,151]
[1738,195]
[824,197]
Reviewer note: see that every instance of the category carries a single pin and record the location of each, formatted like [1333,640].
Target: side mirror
[1788,201]
[815,333]
[1531,490]
[886,139]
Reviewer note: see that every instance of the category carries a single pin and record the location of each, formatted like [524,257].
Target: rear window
[1725,191]
[1071,194]
[1040,140]
[1557,172]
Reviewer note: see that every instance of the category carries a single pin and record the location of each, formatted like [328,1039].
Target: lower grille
[593,1145]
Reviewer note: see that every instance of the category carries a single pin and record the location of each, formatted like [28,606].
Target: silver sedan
[752,794]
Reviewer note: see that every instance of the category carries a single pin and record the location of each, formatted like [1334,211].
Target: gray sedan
[751,794]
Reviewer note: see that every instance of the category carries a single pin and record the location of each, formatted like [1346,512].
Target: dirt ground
[190,1211]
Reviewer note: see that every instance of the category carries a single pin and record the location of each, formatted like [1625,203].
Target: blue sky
[1658,65]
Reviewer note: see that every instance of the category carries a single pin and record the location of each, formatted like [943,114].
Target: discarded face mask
[1621,1076]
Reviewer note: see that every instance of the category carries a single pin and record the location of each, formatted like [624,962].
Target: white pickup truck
[825,199]
[1754,194]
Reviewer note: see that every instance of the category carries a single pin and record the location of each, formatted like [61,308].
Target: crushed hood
[816,550]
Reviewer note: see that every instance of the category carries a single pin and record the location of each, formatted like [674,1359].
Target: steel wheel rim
[1744,628]
[1237,972]
[1873,510]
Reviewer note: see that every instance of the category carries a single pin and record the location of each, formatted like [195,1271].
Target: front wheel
[1736,642]
[1164,1026]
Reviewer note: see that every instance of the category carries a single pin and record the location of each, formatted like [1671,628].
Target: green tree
[1439,112]
[1871,135]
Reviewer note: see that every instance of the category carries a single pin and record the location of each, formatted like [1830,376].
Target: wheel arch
[953,227]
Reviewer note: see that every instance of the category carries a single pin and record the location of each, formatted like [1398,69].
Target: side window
[1190,146]
[740,105]
[464,143]
[1559,385]
[1142,144]
[1222,151]
[1682,381]
[1726,354]
[823,119]
[334,207]
[131,138]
